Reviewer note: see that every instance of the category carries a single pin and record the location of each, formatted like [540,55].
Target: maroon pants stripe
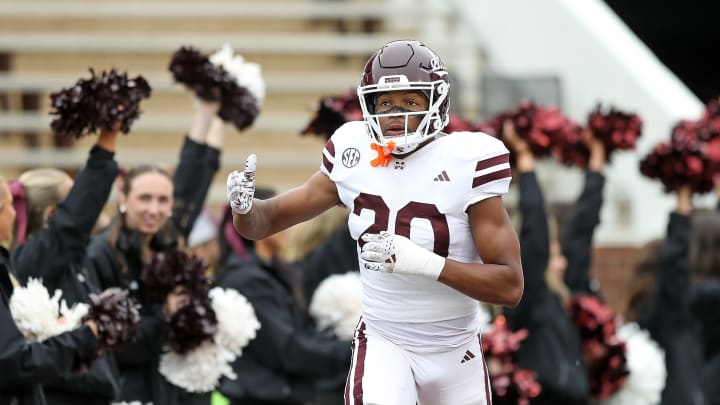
[488,397]
[358,367]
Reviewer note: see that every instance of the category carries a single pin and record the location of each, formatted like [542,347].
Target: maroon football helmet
[406,65]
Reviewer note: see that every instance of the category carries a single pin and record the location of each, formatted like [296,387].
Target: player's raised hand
[241,187]
[390,253]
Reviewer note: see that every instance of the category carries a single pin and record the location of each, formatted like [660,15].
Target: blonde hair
[42,190]
[2,191]
[558,287]
[7,244]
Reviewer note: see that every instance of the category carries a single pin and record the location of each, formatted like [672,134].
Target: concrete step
[111,42]
[221,17]
[194,10]
[280,165]
[219,25]
[288,96]
[276,83]
[72,63]
[149,121]
[278,151]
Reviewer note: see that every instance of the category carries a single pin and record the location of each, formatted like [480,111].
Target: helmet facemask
[431,121]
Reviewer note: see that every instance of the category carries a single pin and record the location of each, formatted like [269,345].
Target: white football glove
[390,253]
[241,187]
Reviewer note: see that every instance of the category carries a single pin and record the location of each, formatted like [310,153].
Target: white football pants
[382,373]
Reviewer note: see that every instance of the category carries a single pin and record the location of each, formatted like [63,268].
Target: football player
[433,235]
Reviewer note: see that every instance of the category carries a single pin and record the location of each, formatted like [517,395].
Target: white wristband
[412,259]
[430,266]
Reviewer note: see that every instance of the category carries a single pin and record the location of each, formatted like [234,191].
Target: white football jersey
[423,196]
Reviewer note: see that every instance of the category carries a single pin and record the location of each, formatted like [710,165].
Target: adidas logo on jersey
[468,356]
[442,177]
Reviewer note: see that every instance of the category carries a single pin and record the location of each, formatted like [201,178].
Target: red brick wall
[612,267]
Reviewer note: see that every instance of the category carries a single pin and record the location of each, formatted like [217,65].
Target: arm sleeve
[31,363]
[68,232]
[534,245]
[577,243]
[192,179]
[673,283]
[92,189]
[284,346]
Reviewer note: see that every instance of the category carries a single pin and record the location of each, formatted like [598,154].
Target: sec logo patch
[350,157]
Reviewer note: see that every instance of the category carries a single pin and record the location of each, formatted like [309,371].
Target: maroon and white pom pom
[222,77]
[107,101]
[617,129]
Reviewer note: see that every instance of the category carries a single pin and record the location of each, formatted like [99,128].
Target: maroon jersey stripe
[327,164]
[492,176]
[493,161]
[330,147]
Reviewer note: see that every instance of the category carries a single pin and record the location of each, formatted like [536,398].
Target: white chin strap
[404,150]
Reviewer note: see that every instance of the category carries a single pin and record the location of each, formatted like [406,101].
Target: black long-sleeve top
[705,304]
[579,231]
[287,357]
[192,180]
[26,366]
[670,322]
[56,255]
[121,266]
[553,347]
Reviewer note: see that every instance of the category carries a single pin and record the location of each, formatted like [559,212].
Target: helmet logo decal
[391,81]
[350,157]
